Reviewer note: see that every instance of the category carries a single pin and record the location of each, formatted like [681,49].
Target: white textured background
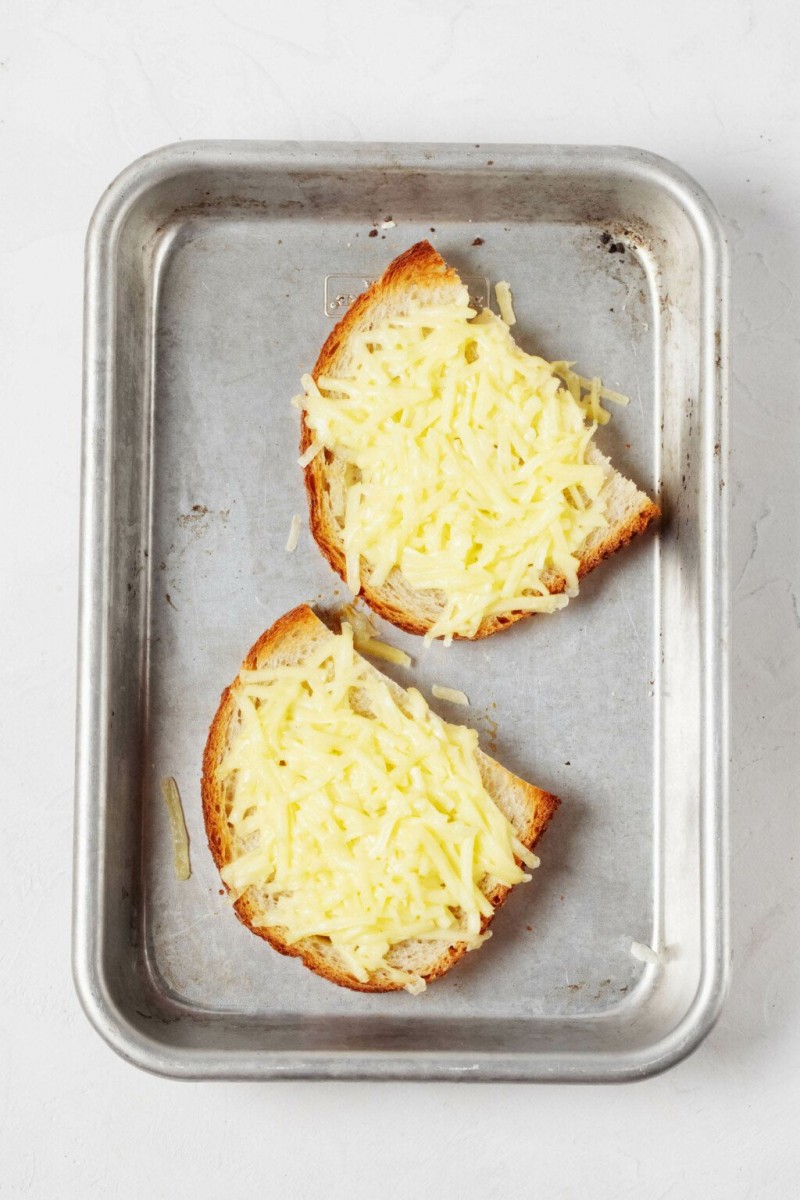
[87,86]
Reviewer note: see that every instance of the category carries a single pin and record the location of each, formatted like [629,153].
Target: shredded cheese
[361,622]
[366,640]
[177,823]
[645,953]
[503,293]
[595,392]
[464,464]
[375,648]
[310,454]
[294,534]
[451,694]
[360,817]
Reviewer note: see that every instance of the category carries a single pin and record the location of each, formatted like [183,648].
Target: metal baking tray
[214,271]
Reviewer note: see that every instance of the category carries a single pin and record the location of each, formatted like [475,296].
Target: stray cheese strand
[294,534]
[360,817]
[375,648]
[504,302]
[466,463]
[454,695]
[366,640]
[177,825]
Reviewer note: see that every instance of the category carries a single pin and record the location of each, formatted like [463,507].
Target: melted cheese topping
[465,463]
[358,817]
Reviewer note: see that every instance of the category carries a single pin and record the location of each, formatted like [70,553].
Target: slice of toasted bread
[421,276]
[288,642]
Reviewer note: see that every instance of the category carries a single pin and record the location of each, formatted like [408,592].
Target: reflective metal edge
[91,766]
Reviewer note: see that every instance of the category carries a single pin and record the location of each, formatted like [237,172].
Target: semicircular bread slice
[419,277]
[288,643]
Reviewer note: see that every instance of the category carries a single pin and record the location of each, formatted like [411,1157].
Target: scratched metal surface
[226,265]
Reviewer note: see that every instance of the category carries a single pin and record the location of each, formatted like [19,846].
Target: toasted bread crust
[296,629]
[422,267]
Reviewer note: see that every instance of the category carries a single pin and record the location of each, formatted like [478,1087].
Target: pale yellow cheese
[362,818]
[177,823]
[454,695]
[310,454]
[466,463]
[366,640]
[504,302]
[294,534]
[375,648]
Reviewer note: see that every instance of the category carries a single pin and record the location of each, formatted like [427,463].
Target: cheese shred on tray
[466,462]
[360,815]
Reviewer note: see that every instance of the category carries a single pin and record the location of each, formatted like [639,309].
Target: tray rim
[187,1063]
